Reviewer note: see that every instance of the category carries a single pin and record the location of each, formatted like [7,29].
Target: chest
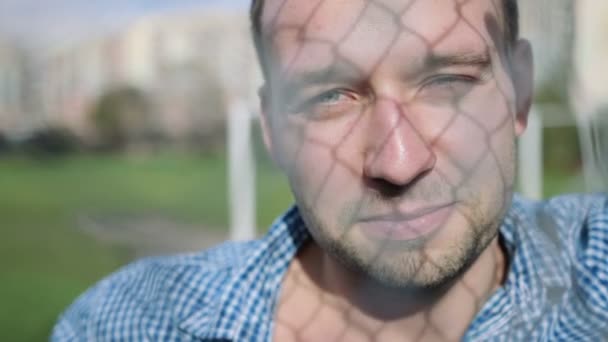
[303,316]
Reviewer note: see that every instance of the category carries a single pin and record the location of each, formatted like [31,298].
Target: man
[395,123]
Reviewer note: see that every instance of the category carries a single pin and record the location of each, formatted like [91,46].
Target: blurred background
[129,129]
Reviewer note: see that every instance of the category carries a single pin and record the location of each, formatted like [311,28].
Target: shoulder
[573,206]
[568,215]
[581,204]
[560,263]
[591,255]
[145,300]
[561,234]
[577,226]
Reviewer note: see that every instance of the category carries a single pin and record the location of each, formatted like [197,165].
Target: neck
[451,307]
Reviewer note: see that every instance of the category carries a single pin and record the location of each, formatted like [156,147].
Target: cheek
[476,142]
[319,144]
[323,165]
[480,170]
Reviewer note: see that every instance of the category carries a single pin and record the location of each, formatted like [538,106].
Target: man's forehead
[335,19]
[368,32]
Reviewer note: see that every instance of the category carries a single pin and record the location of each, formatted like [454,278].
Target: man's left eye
[451,80]
[447,87]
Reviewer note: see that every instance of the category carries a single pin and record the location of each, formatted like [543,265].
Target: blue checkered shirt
[556,288]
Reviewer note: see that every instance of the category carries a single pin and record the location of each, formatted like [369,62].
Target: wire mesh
[381,112]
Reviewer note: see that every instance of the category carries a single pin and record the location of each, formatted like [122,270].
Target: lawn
[46,261]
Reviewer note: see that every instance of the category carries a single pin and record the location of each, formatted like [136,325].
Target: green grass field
[46,262]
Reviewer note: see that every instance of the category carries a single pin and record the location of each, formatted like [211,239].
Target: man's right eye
[327,104]
[328,98]
[323,102]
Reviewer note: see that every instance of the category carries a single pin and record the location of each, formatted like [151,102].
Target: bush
[120,117]
[50,142]
[4,144]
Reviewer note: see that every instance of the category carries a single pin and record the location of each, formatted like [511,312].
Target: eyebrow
[341,72]
[479,60]
[336,72]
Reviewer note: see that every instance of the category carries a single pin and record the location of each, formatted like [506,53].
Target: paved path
[150,235]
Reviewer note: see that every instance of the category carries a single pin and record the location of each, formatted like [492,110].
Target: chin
[413,270]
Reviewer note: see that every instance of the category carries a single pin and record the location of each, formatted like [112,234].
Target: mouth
[406,226]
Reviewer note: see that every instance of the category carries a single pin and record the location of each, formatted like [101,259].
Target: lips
[404,226]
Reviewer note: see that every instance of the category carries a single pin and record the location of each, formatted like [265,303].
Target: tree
[121,116]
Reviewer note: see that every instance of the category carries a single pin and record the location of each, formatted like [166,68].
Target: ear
[522,69]
[266,121]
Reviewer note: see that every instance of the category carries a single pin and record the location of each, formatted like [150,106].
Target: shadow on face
[395,123]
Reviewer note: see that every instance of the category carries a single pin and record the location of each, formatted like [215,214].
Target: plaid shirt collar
[248,300]
[534,268]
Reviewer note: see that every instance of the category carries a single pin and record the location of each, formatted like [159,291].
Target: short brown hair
[510,13]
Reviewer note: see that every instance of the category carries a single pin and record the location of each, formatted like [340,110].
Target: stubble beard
[413,269]
[410,269]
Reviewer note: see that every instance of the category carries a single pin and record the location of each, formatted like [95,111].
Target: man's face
[395,122]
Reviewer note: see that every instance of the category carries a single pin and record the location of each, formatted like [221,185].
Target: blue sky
[40,22]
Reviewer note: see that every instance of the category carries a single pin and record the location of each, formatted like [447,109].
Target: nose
[396,152]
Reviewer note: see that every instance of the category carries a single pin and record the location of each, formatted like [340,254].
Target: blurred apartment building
[186,66]
[12,87]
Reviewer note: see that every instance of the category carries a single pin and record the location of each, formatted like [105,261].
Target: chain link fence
[380,110]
